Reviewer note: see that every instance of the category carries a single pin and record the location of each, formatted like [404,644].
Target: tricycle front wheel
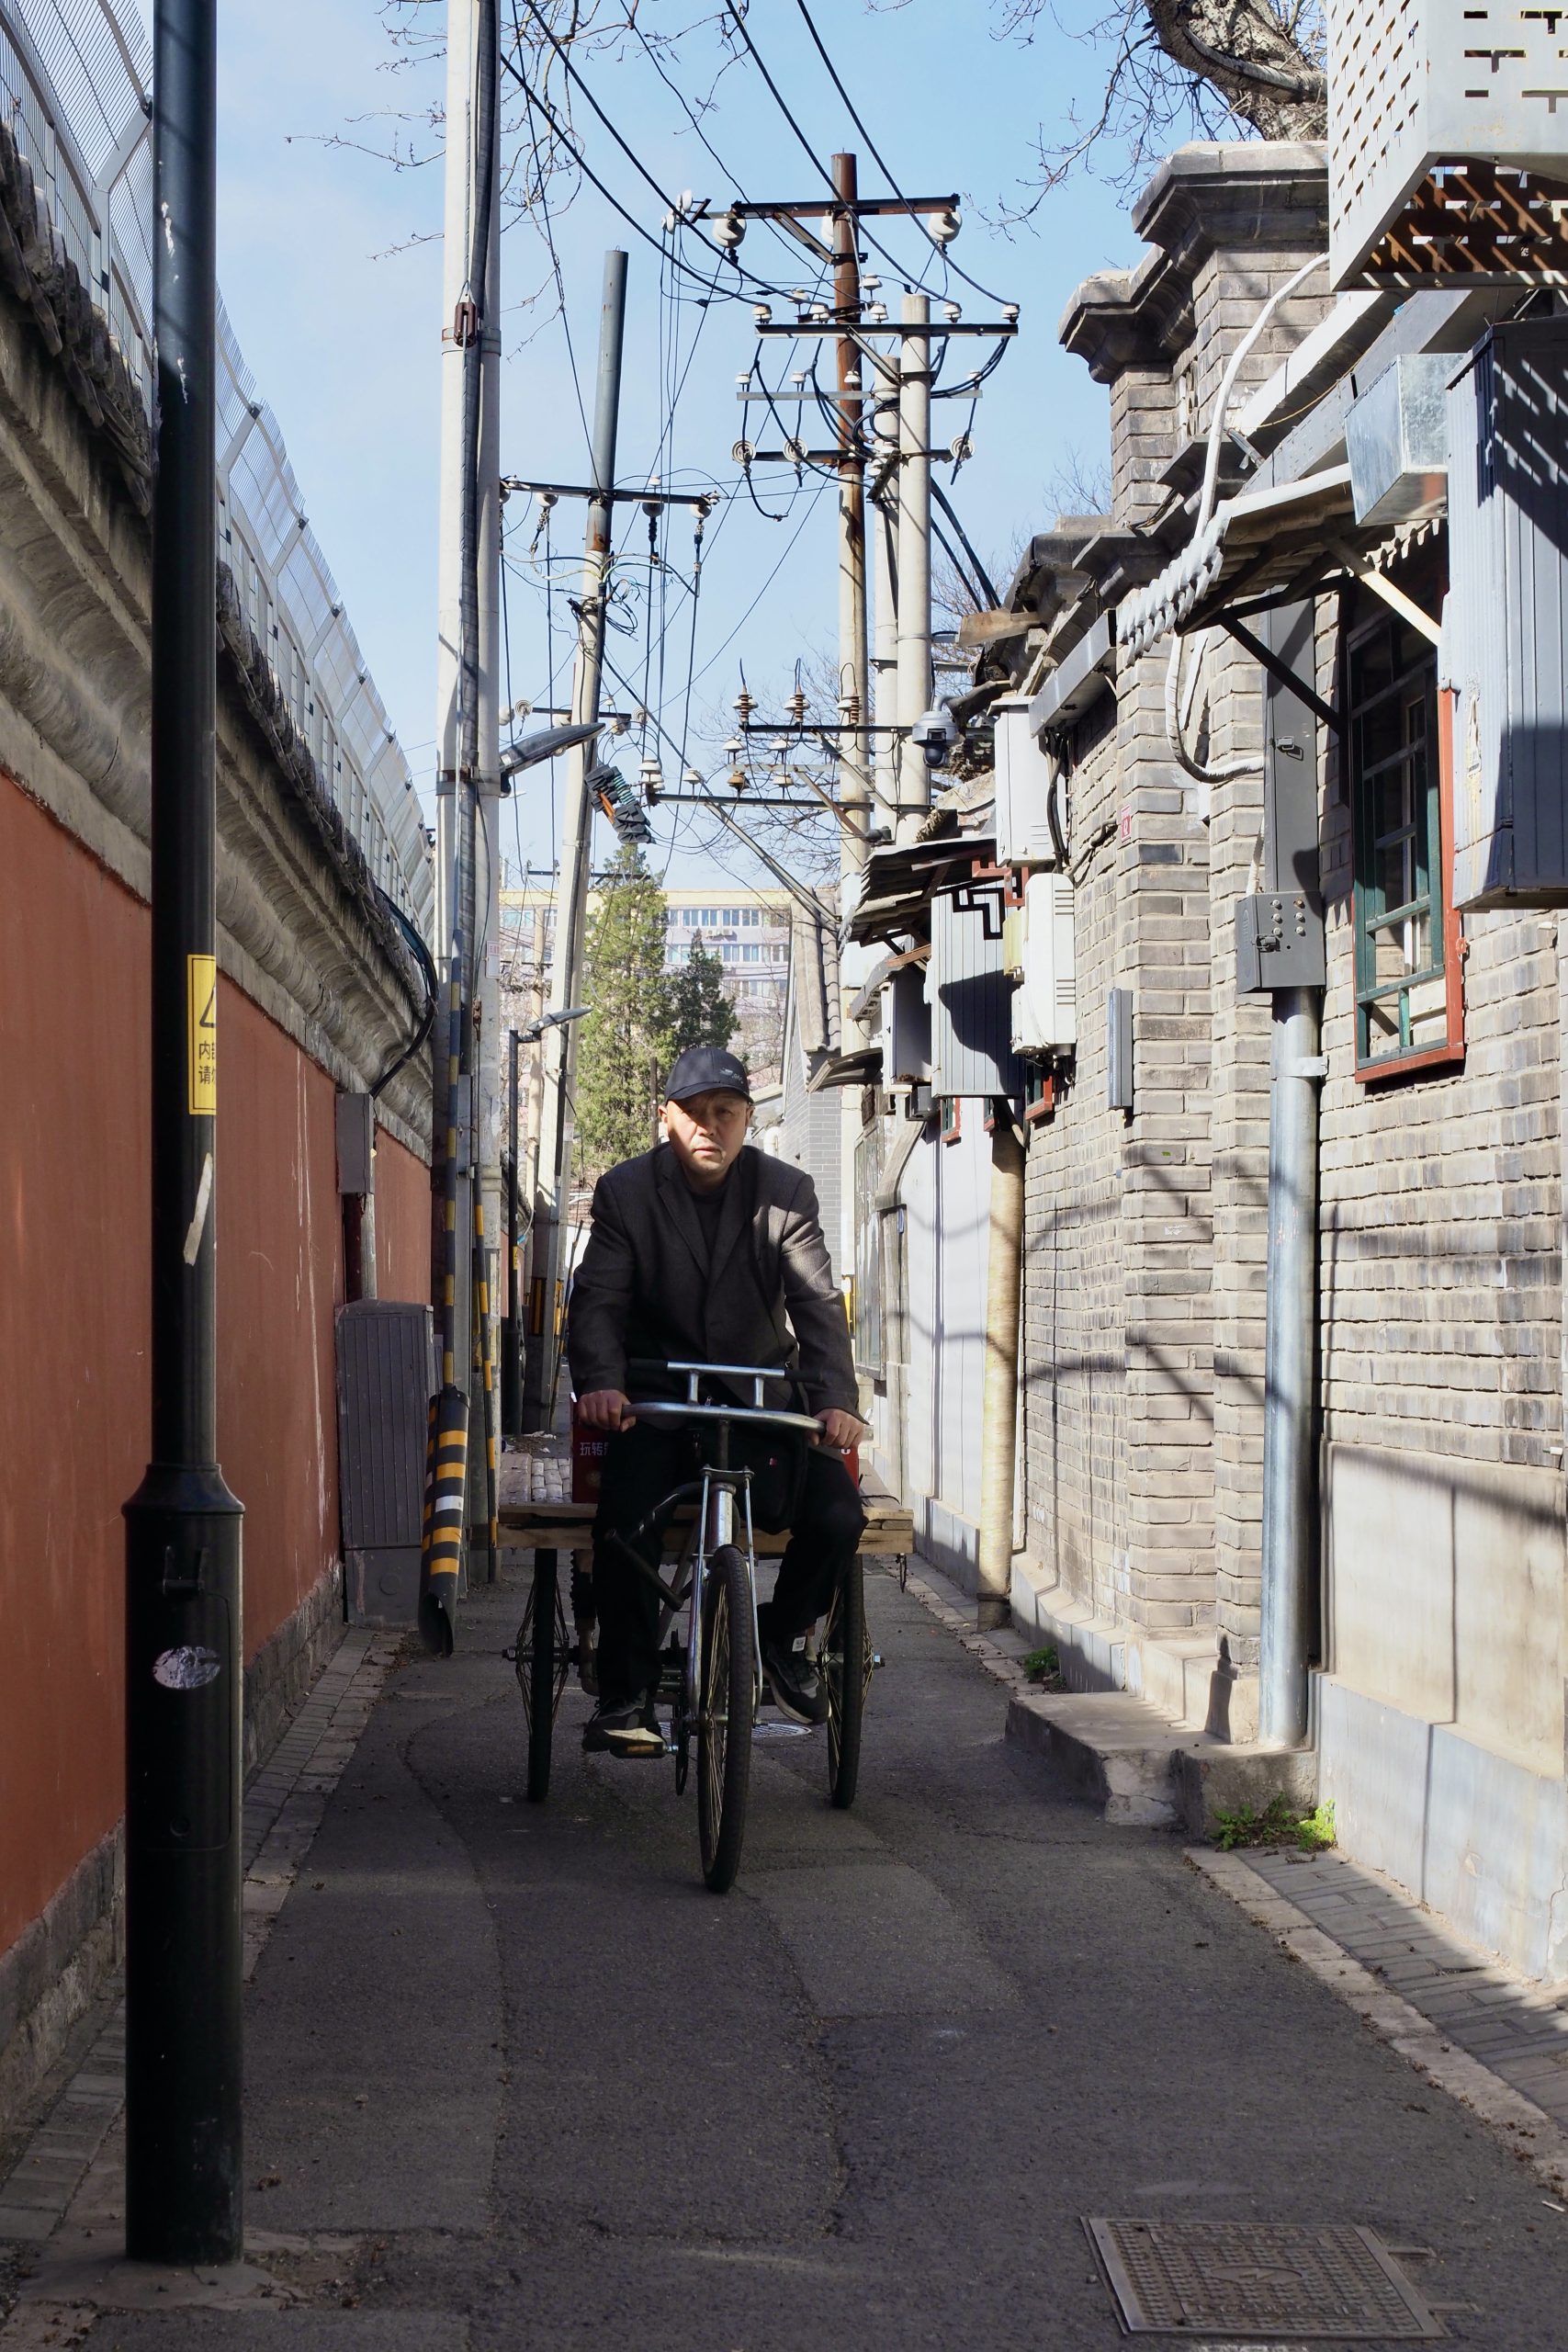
[725,1708]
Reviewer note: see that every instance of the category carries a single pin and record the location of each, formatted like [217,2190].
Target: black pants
[641,1466]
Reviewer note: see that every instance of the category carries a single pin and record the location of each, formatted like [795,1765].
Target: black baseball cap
[707,1069]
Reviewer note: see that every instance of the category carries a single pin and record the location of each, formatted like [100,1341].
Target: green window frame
[1406,940]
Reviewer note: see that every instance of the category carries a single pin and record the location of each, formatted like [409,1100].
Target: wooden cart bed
[565,1527]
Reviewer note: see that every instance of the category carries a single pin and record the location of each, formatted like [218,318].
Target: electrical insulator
[945,227]
[736,779]
[732,749]
[818,313]
[762,316]
[954,312]
[877,314]
[797,707]
[743,452]
[1009,312]
[692,780]
[744,706]
[779,748]
[730,228]
[744,383]
[650,776]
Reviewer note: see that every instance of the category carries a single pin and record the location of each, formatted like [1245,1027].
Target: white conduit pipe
[1244,763]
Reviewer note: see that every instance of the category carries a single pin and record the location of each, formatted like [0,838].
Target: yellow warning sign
[201,1028]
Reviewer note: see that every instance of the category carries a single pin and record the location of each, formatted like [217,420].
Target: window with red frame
[1409,1000]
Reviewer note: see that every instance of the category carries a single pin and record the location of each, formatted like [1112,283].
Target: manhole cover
[1240,2279]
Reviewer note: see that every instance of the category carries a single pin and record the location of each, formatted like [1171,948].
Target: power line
[877,157]
[631,155]
[779,100]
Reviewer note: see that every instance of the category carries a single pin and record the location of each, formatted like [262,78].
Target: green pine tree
[700,1013]
[625,1044]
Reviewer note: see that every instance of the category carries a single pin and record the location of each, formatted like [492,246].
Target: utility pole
[466,820]
[855,678]
[576,817]
[884,506]
[184,1650]
[914,564]
[486,693]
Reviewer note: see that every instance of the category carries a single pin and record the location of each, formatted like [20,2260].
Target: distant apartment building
[748,930]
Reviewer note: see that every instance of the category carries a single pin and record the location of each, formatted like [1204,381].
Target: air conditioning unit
[1448,150]
[1045,1003]
[1023,777]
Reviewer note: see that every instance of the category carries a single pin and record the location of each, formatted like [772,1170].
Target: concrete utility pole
[914,686]
[884,506]
[855,672]
[486,992]
[467,786]
[577,818]
[184,1650]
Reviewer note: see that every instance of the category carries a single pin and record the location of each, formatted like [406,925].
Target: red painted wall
[74,1317]
[403,1221]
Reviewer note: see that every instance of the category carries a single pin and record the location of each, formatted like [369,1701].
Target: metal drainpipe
[998,1407]
[1290,1468]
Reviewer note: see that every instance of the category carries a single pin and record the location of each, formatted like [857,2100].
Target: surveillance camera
[934,735]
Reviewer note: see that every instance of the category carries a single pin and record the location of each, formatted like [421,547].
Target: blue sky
[330,262]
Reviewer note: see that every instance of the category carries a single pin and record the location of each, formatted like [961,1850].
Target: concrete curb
[1118,1752]
[1522,2126]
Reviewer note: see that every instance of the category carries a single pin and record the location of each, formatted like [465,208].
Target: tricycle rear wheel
[844,1666]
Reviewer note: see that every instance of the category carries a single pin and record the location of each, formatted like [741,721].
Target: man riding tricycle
[707,1341]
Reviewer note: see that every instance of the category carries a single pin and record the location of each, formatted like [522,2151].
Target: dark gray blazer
[645,1286]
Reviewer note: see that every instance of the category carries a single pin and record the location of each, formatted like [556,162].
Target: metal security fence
[74,82]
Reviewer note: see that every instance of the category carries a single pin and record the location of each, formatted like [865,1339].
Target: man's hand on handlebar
[607,1408]
[840,1431]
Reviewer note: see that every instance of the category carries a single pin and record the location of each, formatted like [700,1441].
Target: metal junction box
[907,1028]
[1396,438]
[1023,779]
[1415,85]
[1045,1003]
[1504,625]
[1278,943]
[383,1402]
[970,998]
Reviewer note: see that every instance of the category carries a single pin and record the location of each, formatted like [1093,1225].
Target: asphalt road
[522,2081]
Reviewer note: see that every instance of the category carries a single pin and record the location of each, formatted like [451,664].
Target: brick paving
[1518,2029]
[283,1808]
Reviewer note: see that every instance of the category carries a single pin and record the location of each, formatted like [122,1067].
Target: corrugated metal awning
[901,883]
[1260,544]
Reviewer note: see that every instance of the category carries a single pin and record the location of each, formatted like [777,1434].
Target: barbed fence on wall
[75,76]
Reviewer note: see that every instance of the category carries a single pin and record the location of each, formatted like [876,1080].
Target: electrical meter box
[1045,1005]
[383,1401]
[1504,647]
[1025,775]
